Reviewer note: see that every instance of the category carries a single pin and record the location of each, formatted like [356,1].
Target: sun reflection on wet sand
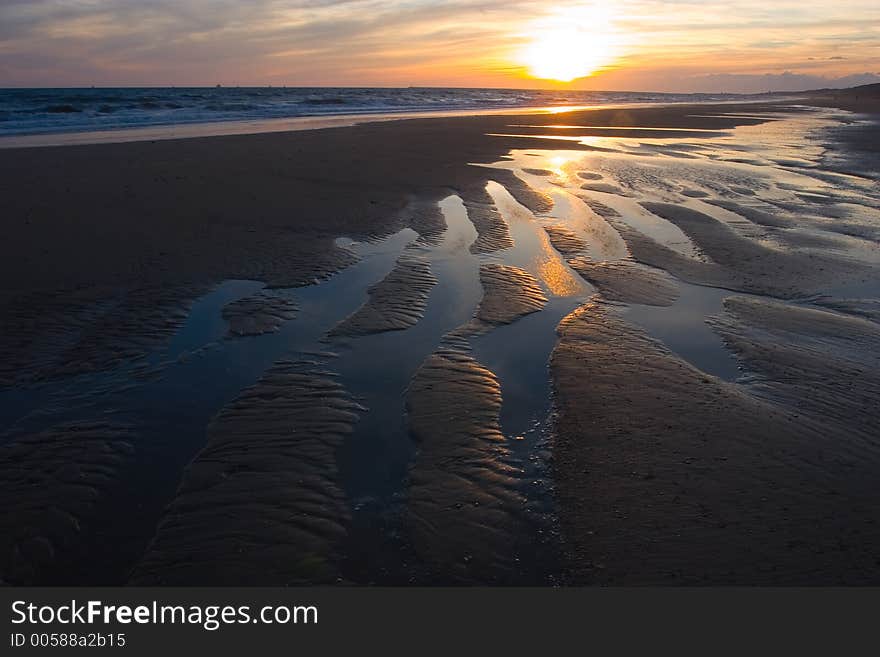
[769,170]
[533,251]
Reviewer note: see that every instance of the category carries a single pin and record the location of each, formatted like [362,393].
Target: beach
[623,345]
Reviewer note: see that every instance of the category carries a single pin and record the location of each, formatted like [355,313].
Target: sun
[571,43]
[565,55]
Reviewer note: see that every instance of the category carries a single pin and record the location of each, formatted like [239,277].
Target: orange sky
[661,45]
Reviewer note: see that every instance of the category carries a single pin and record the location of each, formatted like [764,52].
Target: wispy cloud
[668,44]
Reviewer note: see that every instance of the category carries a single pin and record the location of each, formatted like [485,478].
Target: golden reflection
[542,259]
[554,273]
[596,143]
[559,164]
[562,110]
[559,280]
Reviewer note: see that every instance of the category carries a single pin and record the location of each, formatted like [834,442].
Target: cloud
[670,44]
[787,81]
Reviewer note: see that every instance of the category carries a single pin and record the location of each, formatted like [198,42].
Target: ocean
[40,111]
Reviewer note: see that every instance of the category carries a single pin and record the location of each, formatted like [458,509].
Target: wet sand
[263,206]
[396,302]
[52,479]
[260,504]
[330,355]
[671,476]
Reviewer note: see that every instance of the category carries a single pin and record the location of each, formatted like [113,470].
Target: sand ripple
[628,282]
[823,363]
[463,504]
[737,262]
[536,201]
[492,231]
[508,294]
[395,303]
[264,312]
[51,482]
[565,240]
[47,337]
[668,475]
[261,504]
[426,218]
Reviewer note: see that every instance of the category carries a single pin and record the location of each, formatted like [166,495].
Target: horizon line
[392,87]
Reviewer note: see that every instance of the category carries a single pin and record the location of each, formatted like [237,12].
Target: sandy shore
[170,218]
[255,206]
[488,264]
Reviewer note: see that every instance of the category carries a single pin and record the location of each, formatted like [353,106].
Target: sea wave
[35,111]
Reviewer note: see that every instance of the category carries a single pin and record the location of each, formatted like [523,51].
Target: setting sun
[571,43]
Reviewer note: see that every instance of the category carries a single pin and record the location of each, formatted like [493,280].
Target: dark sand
[862,140]
[260,504]
[463,504]
[263,206]
[263,312]
[663,473]
[150,224]
[465,511]
[54,479]
[396,302]
[670,476]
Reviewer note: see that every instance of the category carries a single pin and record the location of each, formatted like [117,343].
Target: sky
[644,45]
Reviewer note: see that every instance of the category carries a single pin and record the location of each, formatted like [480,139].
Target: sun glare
[571,43]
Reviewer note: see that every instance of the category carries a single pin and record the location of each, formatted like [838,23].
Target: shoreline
[220,128]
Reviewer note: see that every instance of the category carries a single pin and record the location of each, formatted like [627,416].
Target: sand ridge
[464,507]
[705,483]
[825,364]
[736,262]
[508,294]
[867,308]
[462,498]
[261,503]
[57,479]
[395,303]
[426,218]
[492,231]
[622,280]
[263,312]
[48,337]
[565,240]
[627,281]
[92,223]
